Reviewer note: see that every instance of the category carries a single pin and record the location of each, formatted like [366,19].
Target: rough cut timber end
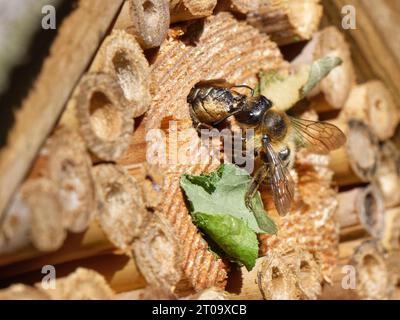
[287,21]
[181,10]
[208,52]
[121,56]
[147,20]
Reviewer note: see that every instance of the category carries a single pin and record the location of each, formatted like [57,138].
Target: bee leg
[255,183]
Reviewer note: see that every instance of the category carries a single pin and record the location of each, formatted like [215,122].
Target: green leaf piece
[232,234]
[319,69]
[223,192]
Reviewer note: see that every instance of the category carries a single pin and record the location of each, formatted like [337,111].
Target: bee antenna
[245,86]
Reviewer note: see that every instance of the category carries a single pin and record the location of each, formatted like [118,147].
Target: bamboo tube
[236,56]
[335,88]
[105,120]
[15,226]
[122,214]
[74,45]
[77,246]
[46,228]
[65,162]
[119,270]
[147,20]
[121,56]
[374,279]
[361,210]
[390,238]
[363,263]
[83,284]
[157,253]
[387,177]
[281,274]
[22,292]
[181,10]
[372,103]
[360,157]
[287,21]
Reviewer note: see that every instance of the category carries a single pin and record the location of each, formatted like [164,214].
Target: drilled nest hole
[106,120]
[126,75]
[371,209]
[150,12]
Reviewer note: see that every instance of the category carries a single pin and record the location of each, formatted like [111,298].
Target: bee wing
[317,136]
[281,182]
[219,83]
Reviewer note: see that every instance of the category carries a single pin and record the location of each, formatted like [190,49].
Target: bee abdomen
[211,104]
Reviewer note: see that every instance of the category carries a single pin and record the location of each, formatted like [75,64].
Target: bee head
[253,110]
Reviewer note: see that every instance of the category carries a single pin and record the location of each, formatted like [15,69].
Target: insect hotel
[199,149]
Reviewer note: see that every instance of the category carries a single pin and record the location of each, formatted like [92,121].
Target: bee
[277,135]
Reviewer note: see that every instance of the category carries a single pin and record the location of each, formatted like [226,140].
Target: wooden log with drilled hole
[387,177]
[78,38]
[182,61]
[333,91]
[293,273]
[359,159]
[147,20]
[287,21]
[361,211]
[362,273]
[372,103]
[181,10]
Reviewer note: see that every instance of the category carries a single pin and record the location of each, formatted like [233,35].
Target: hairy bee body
[211,104]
